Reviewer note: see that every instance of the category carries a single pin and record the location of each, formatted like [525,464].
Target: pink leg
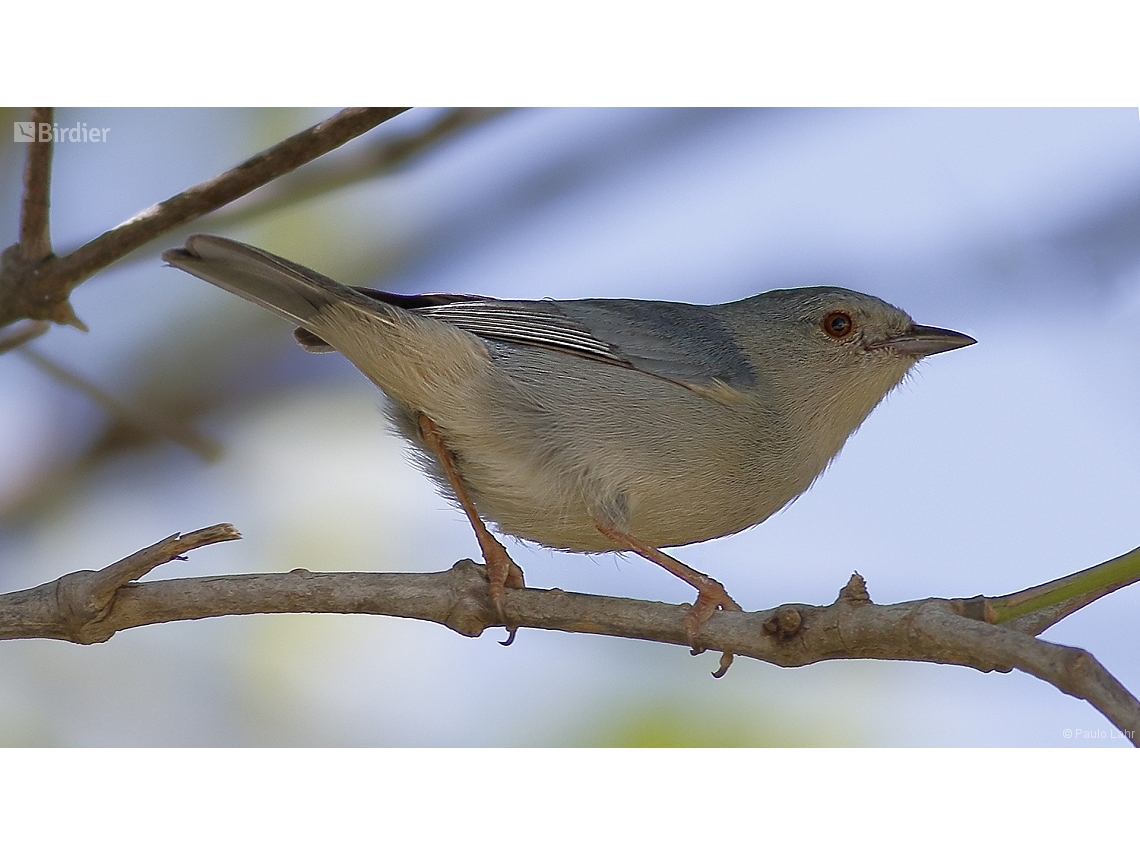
[502,572]
[711,594]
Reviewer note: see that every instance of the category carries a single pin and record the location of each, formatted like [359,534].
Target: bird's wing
[536,324]
[682,343]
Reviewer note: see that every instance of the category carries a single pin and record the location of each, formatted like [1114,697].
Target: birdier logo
[27,132]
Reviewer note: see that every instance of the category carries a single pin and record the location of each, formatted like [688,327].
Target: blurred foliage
[653,722]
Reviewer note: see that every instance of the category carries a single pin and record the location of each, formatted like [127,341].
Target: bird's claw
[503,574]
[709,599]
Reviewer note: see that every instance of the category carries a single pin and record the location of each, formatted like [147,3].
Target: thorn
[63,313]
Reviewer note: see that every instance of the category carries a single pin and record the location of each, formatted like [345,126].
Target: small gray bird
[603,425]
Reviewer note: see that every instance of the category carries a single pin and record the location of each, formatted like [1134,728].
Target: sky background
[992,469]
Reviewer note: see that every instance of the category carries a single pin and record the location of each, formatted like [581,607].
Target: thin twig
[21,335]
[42,292]
[324,177]
[149,423]
[853,627]
[134,567]
[1040,607]
[35,228]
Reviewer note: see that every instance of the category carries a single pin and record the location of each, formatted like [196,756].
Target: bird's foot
[711,594]
[710,597]
[502,573]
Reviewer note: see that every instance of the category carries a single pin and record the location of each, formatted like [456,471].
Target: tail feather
[289,290]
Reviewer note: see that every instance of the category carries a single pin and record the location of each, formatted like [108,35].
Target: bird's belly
[673,499]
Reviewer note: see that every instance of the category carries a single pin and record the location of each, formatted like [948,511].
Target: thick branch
[90,606]
[42,292]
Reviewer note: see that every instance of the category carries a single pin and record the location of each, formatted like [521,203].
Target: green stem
[1086,585]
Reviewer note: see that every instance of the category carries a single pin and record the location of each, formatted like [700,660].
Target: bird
[602,425]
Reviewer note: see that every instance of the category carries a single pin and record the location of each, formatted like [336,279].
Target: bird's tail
[289,290]
[417,360]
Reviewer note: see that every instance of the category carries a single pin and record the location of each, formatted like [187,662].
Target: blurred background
[991,469]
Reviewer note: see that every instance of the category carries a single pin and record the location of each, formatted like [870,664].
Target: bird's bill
[921,341]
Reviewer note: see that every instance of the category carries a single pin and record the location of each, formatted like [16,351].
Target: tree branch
[35,229]
[366,162]
[90,606]
[74,606]
[41,291]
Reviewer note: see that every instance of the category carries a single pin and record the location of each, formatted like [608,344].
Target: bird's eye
[838,325]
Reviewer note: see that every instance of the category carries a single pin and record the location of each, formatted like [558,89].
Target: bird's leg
[502,572]
[711,594]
